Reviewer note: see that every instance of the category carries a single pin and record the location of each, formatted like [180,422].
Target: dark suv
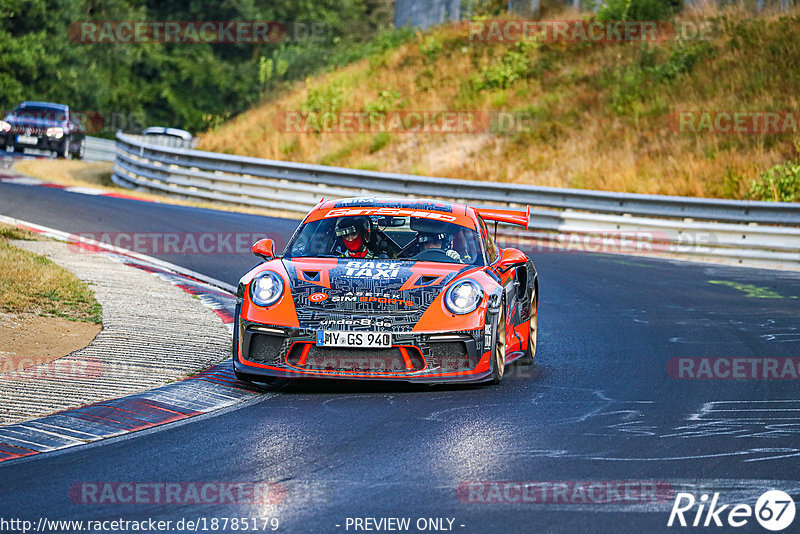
[45,126]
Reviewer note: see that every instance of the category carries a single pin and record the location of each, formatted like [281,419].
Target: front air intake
[451,356]
[391,360]
[266,348]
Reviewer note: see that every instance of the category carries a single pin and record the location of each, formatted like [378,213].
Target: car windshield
[401,238]
[40,112]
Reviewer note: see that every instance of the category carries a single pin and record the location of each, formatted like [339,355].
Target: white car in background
[173,137]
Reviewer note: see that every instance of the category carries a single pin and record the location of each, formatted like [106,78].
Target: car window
[40,112]
[388,237]
[489,244]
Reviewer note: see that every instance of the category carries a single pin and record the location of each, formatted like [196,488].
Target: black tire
[63,152]
[530,352]
[499,349]
[81,150]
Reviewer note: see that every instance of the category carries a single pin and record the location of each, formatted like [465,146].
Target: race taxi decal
[375,270]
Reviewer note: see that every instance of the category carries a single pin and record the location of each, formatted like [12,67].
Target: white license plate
[327,338]
[27,140]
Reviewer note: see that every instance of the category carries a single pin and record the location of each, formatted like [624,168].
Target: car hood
[34,123]
[368,287]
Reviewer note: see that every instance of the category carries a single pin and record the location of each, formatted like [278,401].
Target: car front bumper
[42,142]
[281,352]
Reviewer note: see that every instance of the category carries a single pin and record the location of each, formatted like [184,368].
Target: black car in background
[44,126]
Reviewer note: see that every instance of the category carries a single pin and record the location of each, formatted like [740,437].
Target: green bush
[781,183]
[632,85]
[483,8]
[514,65]
[326,98]
[268,69]
[430,48]
[381,140]
[307,58]
[382,105]
[638,9]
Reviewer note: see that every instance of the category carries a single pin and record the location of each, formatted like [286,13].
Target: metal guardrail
[99,149]
[754,233]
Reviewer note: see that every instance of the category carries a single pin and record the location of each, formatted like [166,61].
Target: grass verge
[30,283]
[71,172]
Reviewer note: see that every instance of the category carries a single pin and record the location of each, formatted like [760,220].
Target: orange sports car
[388,289]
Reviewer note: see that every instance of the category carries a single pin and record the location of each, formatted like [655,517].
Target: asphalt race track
[598,406]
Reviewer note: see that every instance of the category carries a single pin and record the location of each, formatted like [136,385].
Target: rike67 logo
[774,510]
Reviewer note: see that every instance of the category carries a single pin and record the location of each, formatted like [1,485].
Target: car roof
[428,204]
[161,130]
[53,105]
[440,209]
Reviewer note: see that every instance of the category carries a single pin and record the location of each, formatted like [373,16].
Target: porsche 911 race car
[388,289]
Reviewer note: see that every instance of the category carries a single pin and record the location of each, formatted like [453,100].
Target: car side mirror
[264,248]
[511,258]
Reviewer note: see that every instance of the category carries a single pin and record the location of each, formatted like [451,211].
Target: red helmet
[354,231]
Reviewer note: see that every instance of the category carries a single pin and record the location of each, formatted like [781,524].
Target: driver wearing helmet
[437,241]
[355,233]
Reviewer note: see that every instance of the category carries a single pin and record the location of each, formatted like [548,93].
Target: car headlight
[266,289]
[4,126]
[55,131]
[463,297]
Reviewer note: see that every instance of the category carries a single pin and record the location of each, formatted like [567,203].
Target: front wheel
[530,352]
[63,152]
[499,353]
[81,150]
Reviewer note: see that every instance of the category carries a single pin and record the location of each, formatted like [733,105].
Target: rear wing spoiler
[519,218]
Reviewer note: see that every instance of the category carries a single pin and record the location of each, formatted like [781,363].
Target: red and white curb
[210,390]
